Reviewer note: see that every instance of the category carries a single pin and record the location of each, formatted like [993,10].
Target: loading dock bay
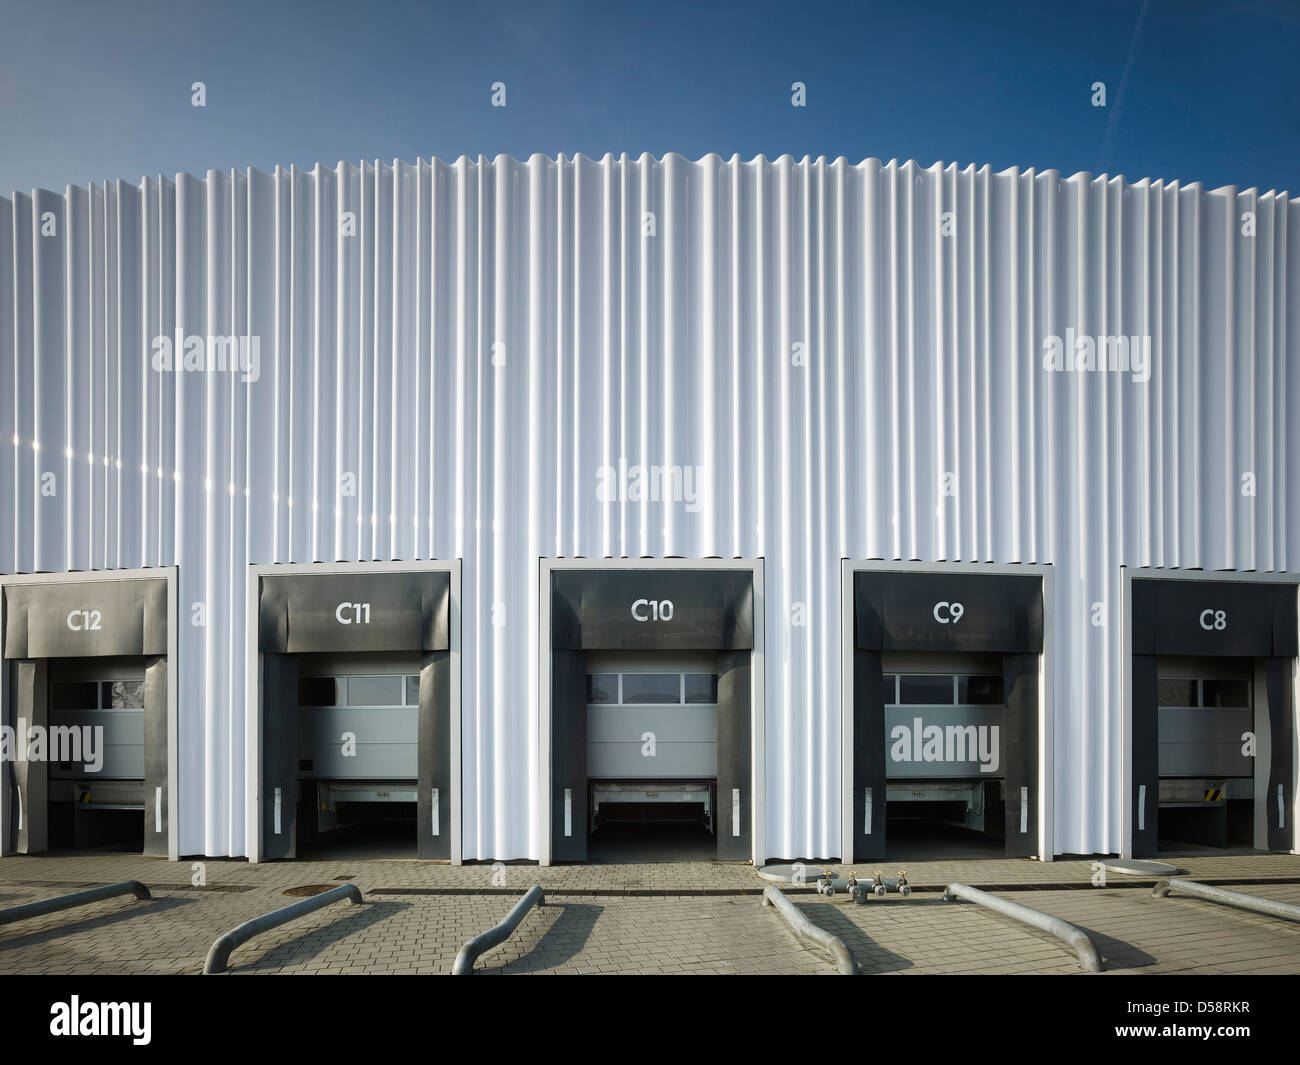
[659,610]
[90,657]
[1194,631]
[388,630]
[939,626]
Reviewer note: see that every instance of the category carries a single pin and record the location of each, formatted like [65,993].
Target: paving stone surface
[633,918]
[1133,932]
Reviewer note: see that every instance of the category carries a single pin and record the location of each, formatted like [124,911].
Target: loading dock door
[91,619]
[675,701]
[651,610]
[96,788]
[332,613]
[957,613]
[1207,774]
[1212,619]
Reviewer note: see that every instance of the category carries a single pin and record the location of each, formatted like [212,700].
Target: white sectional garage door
[652,720]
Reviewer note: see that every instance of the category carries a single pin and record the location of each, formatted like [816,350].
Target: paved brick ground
[419,934]
[1133,933]
[417,915]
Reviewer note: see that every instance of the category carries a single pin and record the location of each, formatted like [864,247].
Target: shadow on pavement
[315,941]
[1115,953]
[562,941]
[131,908]
[870,955]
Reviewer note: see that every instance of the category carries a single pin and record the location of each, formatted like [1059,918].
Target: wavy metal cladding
[495,331]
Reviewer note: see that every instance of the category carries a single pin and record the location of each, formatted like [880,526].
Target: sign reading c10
[652,610]
[946,613]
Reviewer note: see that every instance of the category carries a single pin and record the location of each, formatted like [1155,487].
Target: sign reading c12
[85,620]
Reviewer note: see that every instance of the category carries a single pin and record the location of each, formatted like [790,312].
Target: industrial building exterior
[833,441]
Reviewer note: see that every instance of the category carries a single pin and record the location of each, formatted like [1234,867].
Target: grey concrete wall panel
[914,612]
[8,822]
[434,757]
[279,682]
[70,619]
[1020,785]
[568,756]
[306,612]
[594,610]
[1182,617]
[735,777]
[156,811]
[1145,798]
[31,704]
[869,758]
[1281,775]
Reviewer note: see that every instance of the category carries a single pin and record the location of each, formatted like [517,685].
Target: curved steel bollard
[805,930]
[77,898]
[498,933]
[1271,907]
[1069,934]
[219,954]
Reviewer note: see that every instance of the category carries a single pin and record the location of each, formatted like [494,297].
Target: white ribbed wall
[923,357]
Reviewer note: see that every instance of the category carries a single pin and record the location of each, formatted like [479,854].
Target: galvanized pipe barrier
[1067,933]
[77,898]
[805,930]
[220,952]
[498,933]
[1271,907]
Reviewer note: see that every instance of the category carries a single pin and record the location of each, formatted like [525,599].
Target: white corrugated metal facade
[827,341]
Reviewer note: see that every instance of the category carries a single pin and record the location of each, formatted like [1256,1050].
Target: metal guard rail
[220,952]
[805,930]
[77,898]
[1071,935]
[498,933]
[1271,907]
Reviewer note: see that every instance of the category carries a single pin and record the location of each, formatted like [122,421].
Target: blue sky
[1206,91]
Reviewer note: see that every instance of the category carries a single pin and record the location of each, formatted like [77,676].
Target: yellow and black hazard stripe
[1214,795]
